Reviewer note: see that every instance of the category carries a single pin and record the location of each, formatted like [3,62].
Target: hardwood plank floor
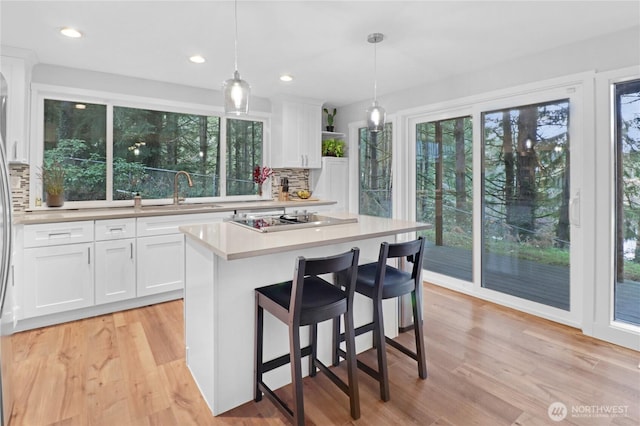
[488,365]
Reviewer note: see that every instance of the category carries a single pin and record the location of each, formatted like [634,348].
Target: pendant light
[235,90]
[376,115]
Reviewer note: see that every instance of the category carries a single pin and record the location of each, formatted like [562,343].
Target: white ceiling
[322,43]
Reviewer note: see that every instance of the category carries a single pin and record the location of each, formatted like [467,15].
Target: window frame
[40,92]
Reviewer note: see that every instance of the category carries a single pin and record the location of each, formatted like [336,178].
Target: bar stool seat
[380,281]
[308,300]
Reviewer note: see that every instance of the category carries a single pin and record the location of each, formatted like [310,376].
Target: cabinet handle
[59,234]
[116,229]
[131,250]
[89,255]
[15,150]
[302,160]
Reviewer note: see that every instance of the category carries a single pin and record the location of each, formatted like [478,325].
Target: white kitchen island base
[220,301]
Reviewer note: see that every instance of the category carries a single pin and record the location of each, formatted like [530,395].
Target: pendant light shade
[376,115]
[236,91]
[236,95]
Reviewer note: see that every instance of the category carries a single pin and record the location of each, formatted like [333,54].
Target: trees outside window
[148,148]
[444,194]
[375,173]
[526,230]
[75,136]
[627,241]
[244,152]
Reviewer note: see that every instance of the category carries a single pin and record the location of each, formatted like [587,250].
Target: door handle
[574,209]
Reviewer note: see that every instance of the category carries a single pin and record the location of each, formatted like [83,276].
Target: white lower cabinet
[160,264]
[103,265]
[115,270]
[58,278]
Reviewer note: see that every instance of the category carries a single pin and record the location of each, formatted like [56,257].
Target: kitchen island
[226,262]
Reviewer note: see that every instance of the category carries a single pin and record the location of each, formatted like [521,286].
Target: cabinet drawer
[115,229]
[163,225]
[50,234]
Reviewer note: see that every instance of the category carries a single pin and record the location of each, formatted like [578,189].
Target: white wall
[112,83]
[618,50]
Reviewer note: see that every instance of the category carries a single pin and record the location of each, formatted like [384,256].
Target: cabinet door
[292,155]
[57,278]
[332,183]
[160,264]
[16,144]
[115,270]
[309,135]
[295,137]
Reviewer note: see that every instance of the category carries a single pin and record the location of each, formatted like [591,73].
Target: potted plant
[333,148]
[53,183]
[330,117]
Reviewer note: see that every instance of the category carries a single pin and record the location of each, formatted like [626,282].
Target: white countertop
[71,215]
[230,241]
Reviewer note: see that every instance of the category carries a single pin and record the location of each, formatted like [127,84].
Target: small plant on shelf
[333,148]
[53,183]
[330,117]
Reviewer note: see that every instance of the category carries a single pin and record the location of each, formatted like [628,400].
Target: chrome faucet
[176,198]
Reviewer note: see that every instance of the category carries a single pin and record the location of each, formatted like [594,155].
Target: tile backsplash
[19,179]
[298,180]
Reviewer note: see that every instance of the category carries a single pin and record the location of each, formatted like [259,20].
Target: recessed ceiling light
[286,77]
[70,32]
[197,59]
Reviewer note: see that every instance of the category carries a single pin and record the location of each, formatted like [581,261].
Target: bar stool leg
[352,367]
[257,393]
[313,338]
[335,345]
[295,354]
[381,349]
[417,327]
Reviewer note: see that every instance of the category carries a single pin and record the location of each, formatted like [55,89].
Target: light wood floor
[488,365]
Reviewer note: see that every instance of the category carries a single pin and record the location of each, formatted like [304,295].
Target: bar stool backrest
[345,264]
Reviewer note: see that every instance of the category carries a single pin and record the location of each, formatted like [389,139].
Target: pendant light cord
[375,71]
[236,34]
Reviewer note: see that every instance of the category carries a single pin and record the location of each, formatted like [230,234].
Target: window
[525,204]
[627,236]
[444,194]
[138,150]
[150,147]
[75,136]
[375,172]
[244,152]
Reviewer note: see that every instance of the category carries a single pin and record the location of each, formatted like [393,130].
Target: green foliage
[52,178]
[330,116]
[375,155]
[333,148]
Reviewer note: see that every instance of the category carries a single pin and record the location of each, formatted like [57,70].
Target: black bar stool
[308,300]
[380,281]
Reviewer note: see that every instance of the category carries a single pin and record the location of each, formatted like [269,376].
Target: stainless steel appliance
[6,320]
[286,222]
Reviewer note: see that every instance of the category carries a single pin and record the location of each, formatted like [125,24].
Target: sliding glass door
[444,194]
[525,202]
[626,305]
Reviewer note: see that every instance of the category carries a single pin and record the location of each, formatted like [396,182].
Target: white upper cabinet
[17,72]
[296,133]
